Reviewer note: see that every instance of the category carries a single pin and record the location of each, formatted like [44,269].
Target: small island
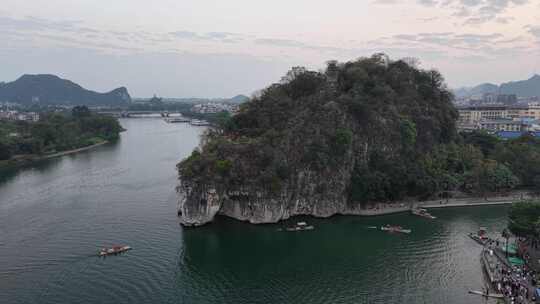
[54,134]
[368,132]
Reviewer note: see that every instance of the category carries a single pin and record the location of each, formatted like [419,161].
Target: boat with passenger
[487,294]
[300,226]
[423,213]
[480,237]
[492,266]
[113,250]
[397,229]
[177,119]
[198,122]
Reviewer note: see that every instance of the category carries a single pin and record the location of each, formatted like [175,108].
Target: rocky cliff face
[320,192]
[296,150]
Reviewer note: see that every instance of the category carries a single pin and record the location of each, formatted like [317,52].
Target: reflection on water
[342,261]
[41,166]
[54,216]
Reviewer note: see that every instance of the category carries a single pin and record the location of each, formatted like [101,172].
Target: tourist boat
[300,226]
[197,122]
[177,119]
[423,213]
[480,237]
[395,229]
[113,250]
[491,266]
[487,295]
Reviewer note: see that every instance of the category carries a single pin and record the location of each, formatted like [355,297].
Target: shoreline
[73,151]
[441,204]
[29,159]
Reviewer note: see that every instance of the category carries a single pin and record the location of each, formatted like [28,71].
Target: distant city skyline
[212,49]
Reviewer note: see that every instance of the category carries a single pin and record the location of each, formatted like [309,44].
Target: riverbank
[382,209]
[68,152]
[31,158]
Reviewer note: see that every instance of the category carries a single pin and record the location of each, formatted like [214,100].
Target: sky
[221,48]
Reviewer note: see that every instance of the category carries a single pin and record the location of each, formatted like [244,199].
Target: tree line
[56,132]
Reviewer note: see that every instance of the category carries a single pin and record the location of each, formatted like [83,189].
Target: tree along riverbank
[55,134]
[22,160]
[398,207]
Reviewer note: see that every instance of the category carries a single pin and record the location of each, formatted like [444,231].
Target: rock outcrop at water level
[321,143]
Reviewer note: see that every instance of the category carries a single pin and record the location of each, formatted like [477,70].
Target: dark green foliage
[370,186]
[389,125]
[522,156]
[56,132]
[408,135]
[79,112]
[224,121]
[5,151]
[342,140]
[300,82]
[486,142]
[223,166]
[525,218]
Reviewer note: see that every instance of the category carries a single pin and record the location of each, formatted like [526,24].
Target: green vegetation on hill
[385,128]
[525,219]
[51,90]
[56,132]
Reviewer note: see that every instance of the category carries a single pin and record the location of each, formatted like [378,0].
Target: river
[56,214]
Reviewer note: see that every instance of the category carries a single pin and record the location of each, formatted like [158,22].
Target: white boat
[487,295]
[197,122]
[113,250]
[423,213]
[300,226]
[395,229]
[177,119]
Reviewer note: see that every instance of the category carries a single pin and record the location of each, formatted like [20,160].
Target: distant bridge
[137,113]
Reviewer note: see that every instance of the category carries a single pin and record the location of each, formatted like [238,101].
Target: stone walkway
[382,209]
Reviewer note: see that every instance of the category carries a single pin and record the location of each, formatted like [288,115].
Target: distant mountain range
[47,89]
[238,99]
[523,88]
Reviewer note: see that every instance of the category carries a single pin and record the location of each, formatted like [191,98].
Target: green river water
[56,214]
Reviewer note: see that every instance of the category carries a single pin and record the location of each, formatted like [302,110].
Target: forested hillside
[365,131]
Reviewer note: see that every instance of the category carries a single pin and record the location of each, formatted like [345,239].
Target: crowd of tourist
[516,283]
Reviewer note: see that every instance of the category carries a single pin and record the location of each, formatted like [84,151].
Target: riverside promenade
[399,207]
[476,201]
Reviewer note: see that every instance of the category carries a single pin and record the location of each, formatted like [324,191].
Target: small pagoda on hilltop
[155,99]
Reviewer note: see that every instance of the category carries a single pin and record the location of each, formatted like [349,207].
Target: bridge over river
[130,113]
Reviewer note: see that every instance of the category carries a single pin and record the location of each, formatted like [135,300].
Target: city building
[473,114]
[16,115]
[501,125]
[211,107]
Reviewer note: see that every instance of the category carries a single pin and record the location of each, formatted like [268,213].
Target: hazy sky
[219,48]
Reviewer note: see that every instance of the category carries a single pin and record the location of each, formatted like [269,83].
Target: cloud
[36,24]
[210,36]
[385,2]
[185,35]
[450,40]
[428,2]
[280,42]
[476,11]
[429,19]
[534,30]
